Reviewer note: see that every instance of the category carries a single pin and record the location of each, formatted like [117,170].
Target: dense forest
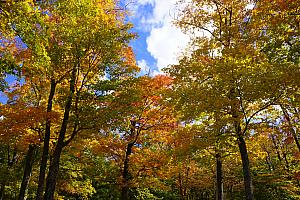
[80,122]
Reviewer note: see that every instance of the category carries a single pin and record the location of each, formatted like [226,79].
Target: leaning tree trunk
[219,178]
[54,165]
[27,171]
[294,134]
[43,164]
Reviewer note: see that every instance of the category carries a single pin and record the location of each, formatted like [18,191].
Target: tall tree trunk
[54,165]
[231,193]
[219,178]
[242,145]
[2,188]
[44,159]
[27,171]
[284,155]
[126,174]
[134,134]
[53,173]
[276,147]
[246,166]
[186,189]
[269,161]
[292,130]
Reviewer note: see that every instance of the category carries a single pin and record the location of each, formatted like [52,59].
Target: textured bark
[134,134]
[242,145]
[44,159]
[54,165]
[246,168]
[126,175]
[27,171]
[53,174]
[219,178]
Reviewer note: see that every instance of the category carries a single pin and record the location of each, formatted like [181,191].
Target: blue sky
[159,42]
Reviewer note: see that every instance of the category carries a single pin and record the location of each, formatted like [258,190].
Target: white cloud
[165,44]
[155,73]
[144,2]
[165,41]
[143,65]
[146,69]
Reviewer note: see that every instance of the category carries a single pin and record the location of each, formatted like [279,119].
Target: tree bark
[53,173]
[242,145]
[11,160]
[269,161]
[2,188]
[27,171]
[180,180]
[44,159]
[126,174]
[246,167]
[284,155]
[276,147]
[54,165]
[294,134]
[219,178]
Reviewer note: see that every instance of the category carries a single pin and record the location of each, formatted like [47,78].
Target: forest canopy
[80,121]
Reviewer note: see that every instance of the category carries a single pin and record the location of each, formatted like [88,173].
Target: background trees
[226,70]
[79,123]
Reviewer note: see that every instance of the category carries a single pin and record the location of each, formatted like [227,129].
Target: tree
[68,61]
[18,127]
[225,70]
[27,171]
[141,120]
[100,132]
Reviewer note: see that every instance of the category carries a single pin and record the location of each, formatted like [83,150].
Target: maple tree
[141,121]
[226,71]
[68,60]
[81,124]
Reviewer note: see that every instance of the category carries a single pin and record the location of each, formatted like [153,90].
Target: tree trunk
[180,180]
[287,164]
[231,192]
[53,173]
[186,191]
[11,160]
[2,188]
[54,165]
[43,164]
[126,174]
[242,147]
[269,161]
[219,178]
[246,167]
[294,134]
[276,147]
[27,171]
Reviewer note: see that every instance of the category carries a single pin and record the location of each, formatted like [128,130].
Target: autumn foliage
[80,122]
